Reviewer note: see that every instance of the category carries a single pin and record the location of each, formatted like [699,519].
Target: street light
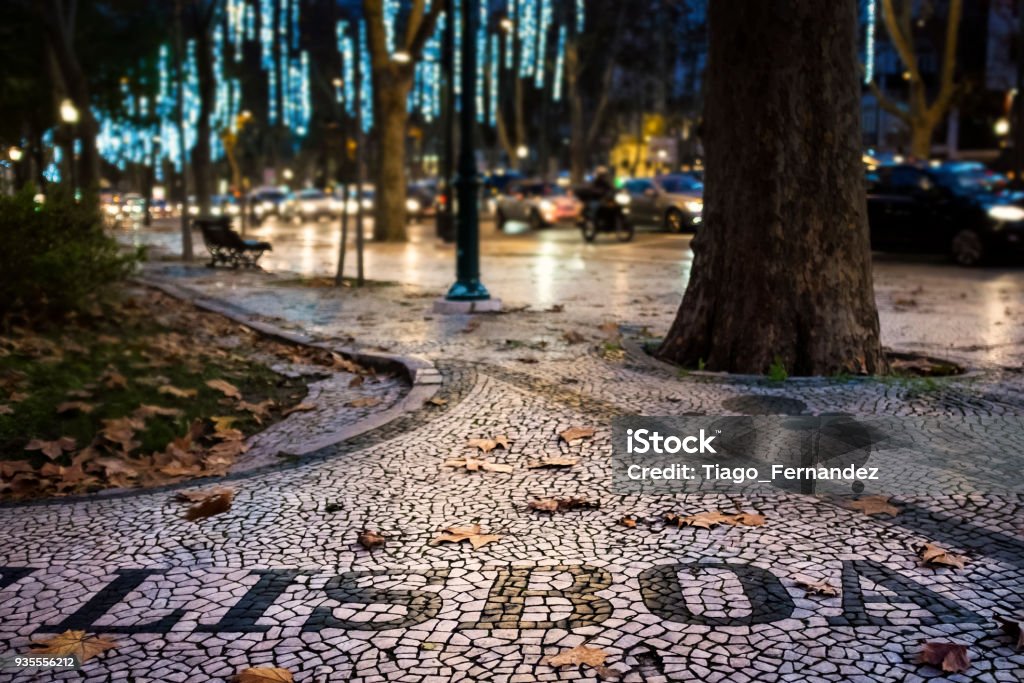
[68,111]
[14,153]
[507,25]
[1002,127]
[522,151]
[402,57]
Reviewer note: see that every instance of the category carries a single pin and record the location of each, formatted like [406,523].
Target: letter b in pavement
[506,602]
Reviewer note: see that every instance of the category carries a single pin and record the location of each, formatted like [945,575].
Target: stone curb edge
[424,378]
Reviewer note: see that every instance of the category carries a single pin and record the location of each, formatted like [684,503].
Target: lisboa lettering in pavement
[575,604]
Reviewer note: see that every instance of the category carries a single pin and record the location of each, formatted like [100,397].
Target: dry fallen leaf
[224,387]
[628,521]
[264,674]
[581,654]
[6,409]
[1013,627]
[300,408]
[259,410]
[113,379]
[474,465]
[934,556]
[488,445]
[949,657]
[51,449]
[562,504]
[553,463]
[174,391]
[144,411]
[75,406]
[438,401]
[457,534]
[365,402]
[471,326]
[356,381]
[746,519]
[574,433]
[873,505]
[818,587]
[198,495]
[213,505]
[73,643]
[573,337]
[706,520]
[371,539]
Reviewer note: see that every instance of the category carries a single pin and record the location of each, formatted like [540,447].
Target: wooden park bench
[226,246]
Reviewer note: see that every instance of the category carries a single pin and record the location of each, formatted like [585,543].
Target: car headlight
[413,205]
[112,209]
[622,198]
[695,206]
[1006,213]
[232,210]
[546,206]
[267,206]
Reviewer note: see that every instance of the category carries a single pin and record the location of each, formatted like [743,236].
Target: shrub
[55,257]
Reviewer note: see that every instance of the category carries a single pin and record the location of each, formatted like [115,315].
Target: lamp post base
[457,307]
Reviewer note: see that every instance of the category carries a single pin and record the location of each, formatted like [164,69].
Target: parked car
[674,202]
[311,205]
[351,205]
[421,200]
[960,209]
[266,202]
[540,204]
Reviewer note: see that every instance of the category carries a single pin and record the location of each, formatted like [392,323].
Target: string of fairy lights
[524,39]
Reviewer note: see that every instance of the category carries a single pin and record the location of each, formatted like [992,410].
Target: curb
[423,377]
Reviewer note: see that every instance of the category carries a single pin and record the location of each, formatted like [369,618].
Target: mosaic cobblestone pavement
[279,579]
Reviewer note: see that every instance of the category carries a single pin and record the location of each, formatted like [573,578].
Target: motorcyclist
[602,182]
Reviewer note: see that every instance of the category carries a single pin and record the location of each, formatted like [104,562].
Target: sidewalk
[280,580]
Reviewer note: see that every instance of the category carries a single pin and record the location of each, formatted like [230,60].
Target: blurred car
[311,205]
[494,186]
[674,202]
[220,205]
[960,209]
[266,202]
[367,196]
[421,200]
[540,204]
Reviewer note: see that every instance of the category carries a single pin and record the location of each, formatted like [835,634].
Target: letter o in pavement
[663,595]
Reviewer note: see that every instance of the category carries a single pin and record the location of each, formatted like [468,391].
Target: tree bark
[389,217]
[202,171]
[782,269]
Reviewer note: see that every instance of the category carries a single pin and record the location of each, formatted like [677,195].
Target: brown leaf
[345,364]
[300,408]
[356,381]
[75,406]
[73,643]
[259,411]
[457,534]
[364,402]
[488,445]
[6,409]
[18,397]
[264,674]
[562,504]
[581,654]
[628,521]
[225,387]
[51,449]
[112,379]
[934,556]
[471,326]
[573,337]
[873,505]
[554,463]
[704,520]
[949,657]
[146,411]
[745,519]
[199,495]
[8,468]
[214,505]
[610,329]
[437,401]
[172,390]
[817,587]
[474,465]
[574,433]
[121,431]
[371,539]
[1013,627]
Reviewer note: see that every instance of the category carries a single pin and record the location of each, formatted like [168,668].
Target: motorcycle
[601,213]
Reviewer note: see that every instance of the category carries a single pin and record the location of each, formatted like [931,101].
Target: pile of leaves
[143,391]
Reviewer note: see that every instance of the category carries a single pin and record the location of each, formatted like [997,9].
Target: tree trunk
[921,132]
[391,118]
[202,171]
[782,270]
[577,133]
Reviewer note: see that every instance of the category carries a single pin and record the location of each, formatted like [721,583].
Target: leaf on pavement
[438,401]
[174,391]
[73,643]
[950,657]
[574,433]
[746,519]
[814,587]
[225,387]
[935,556]
[474,465]
[199,495]
[873,505]
[1013,627]
[471,326]
[356,381]
[707,520]
[581,654]
[75,407]
[562,504]
[300,408]
[264,674]
[573,337]
[371,539]
[364,402]
[51,449]
[628,521]
[213,505]
[553,463]
[488,445]
[457,534]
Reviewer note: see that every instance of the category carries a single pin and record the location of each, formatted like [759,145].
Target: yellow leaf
[73,643]
[224,387]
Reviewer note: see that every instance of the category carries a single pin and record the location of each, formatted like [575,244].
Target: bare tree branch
[947,89]
[888,104]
